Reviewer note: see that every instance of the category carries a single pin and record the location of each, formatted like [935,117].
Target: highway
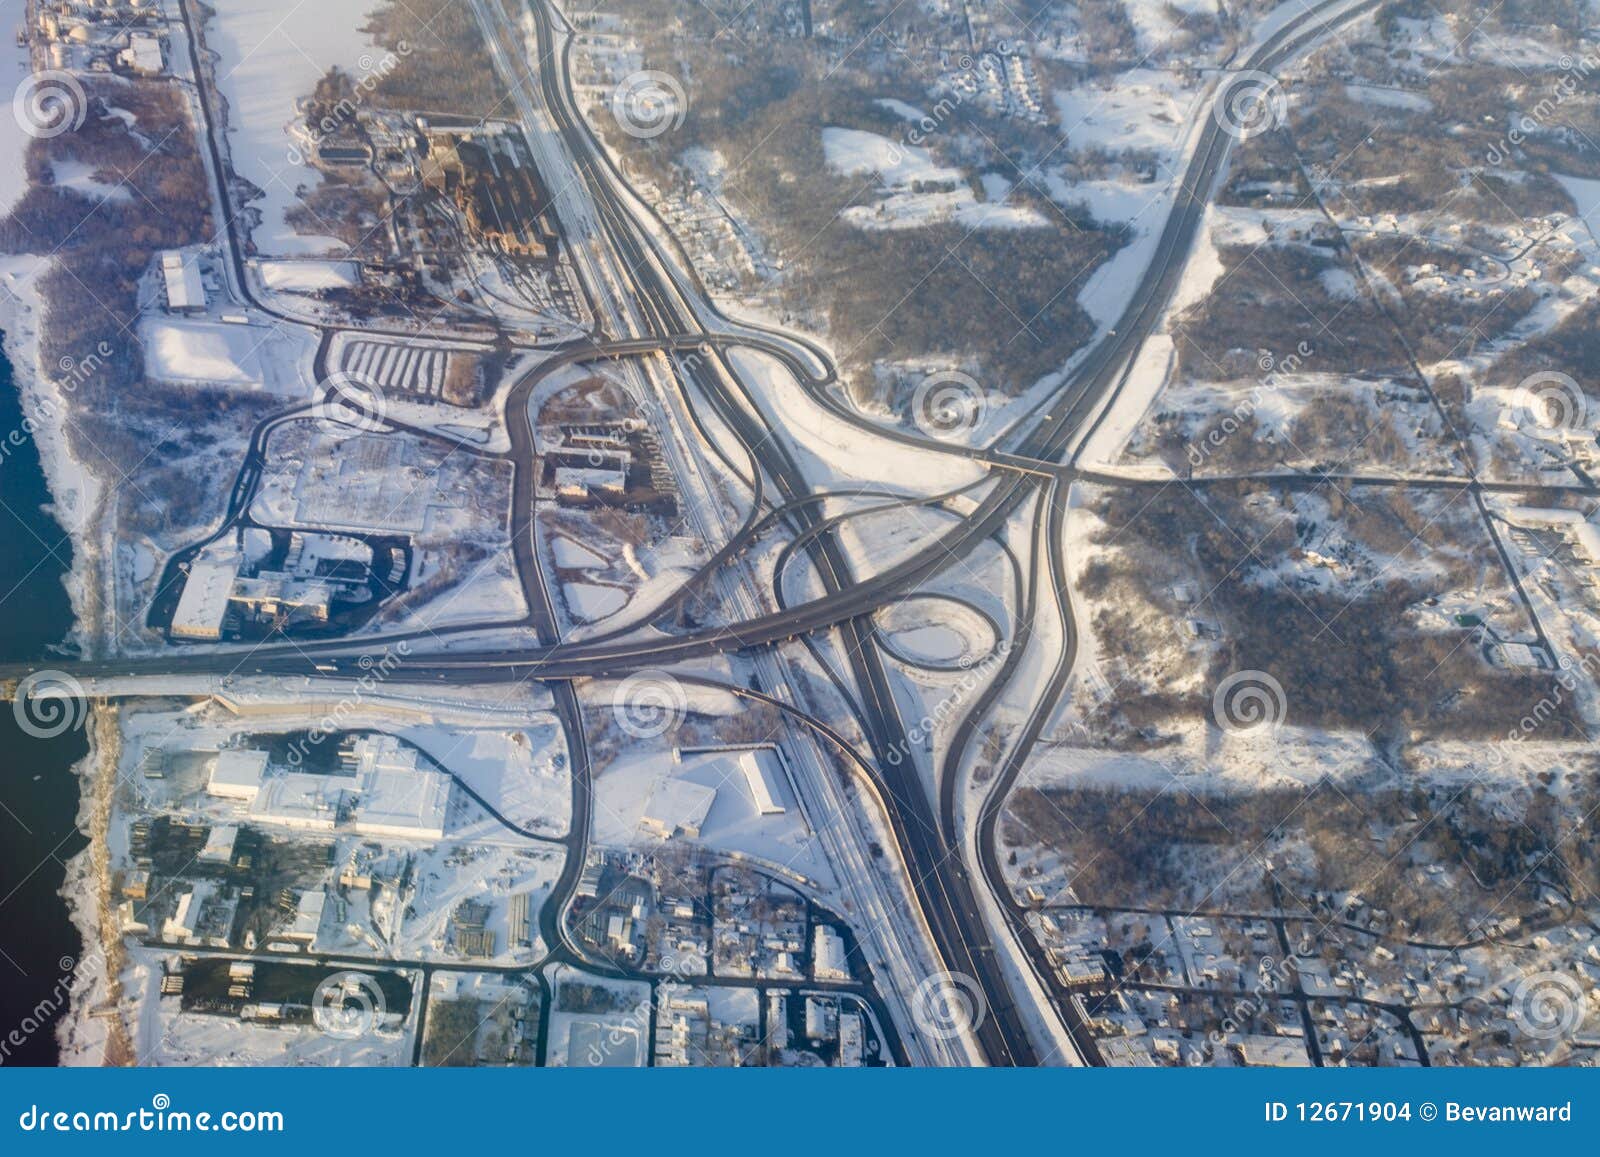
[671,317]
[1108,376]
[1061,419]
[948,907]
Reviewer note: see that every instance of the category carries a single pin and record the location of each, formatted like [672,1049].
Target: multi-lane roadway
[670,315]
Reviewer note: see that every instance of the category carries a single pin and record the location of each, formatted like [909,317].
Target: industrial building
[237,774]
[307,920]
[852,1040]
[586,482]
[279,595]
[203,605]
[761,778]
[387,793]
[223,589]
[143,56]
[496,190]
[828,954]
[219,845]
[186,290]
[677,807]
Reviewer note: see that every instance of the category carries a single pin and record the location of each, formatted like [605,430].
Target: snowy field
[901,169]
[164,1035]
[79,177]
[276,359]
[272,53]
[623,790]
[13,141]
[309,276]
[835,453]
[1142,108]
[615,1036]
[522,772]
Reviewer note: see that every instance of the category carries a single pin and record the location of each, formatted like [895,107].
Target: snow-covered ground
[521,771]
[274,358]
[615,1034]
[837,453]
[309,276]
[79,177]
[623,791]
[901,169]
[1142,108]
[1158,21]
[272,54]
[163,1034]
[14,67]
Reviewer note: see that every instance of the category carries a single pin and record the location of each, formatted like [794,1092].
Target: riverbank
[76,492]
[40,841]
[93,1031]
[51,596]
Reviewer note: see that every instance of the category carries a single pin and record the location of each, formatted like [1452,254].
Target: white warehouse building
[389,794]
[760,777]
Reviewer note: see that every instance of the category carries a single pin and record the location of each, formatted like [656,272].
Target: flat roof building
[204,603]
[407,804]
[219,845]
[828,954]
[237,774]
[307,916]
[186,290]
[143,55]
[184,923]
[761,779]
[584,481]
[1273,1051]
[298,799]
[273,593]
[677,807]
[389,794]
[851,1040]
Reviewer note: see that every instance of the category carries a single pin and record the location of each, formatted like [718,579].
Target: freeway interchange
[663,311]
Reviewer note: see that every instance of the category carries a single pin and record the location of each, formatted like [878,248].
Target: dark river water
[38,793]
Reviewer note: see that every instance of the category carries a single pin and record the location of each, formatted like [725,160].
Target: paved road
[1104,378]
[942,889]
[945,889]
